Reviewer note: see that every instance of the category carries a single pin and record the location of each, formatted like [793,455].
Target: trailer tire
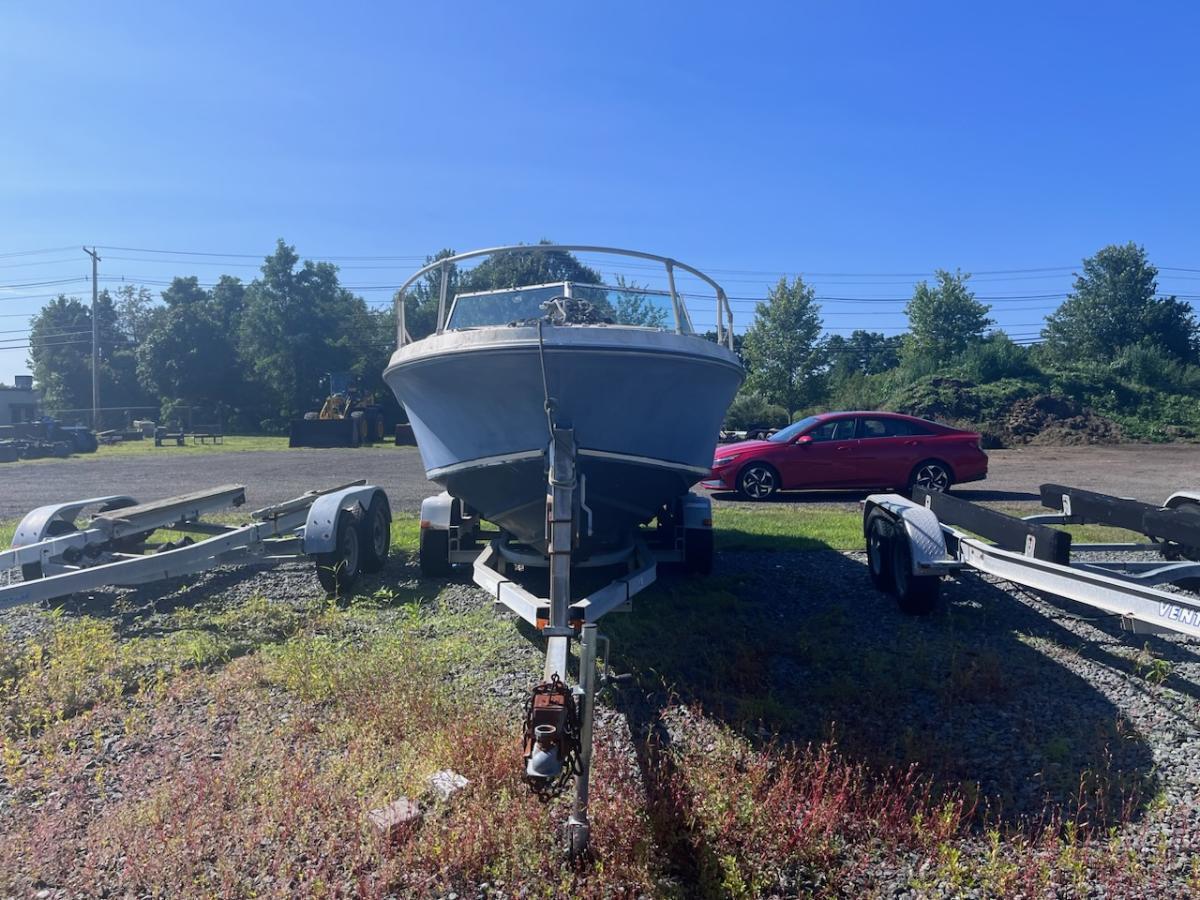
[337,571]
[434,553]
[57,528]
[880,536]
[698,551]
[916,594]
[1173,551]
[375,535]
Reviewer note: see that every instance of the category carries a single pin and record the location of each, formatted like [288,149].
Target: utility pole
[95,344]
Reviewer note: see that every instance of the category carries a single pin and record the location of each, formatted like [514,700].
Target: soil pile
[1007,419]
[1048,420]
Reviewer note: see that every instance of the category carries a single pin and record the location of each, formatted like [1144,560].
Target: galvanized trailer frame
[339,527]
[912,544]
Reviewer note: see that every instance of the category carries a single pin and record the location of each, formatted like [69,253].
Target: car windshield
[786,434]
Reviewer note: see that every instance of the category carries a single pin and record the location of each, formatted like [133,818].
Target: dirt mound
[1048,420]
[1011,414]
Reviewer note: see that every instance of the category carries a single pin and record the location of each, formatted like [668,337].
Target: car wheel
[933,475]
[757,482]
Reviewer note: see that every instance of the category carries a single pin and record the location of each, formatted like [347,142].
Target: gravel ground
[1148,472]
[999,688]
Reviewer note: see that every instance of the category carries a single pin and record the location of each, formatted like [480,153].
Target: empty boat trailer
[913,544]
[99,542]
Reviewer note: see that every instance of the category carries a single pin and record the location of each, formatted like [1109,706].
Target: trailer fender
[924,532]
[697,511]
[436,511]
[1182,498]
[320,529]
[35,526]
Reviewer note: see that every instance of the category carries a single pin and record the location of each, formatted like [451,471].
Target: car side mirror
[804,440]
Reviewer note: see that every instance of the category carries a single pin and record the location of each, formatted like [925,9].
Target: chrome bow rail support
[724,314]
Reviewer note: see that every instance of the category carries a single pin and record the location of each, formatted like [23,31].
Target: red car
[850,450]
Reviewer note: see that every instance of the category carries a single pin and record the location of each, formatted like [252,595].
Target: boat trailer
[913,544]
[559,716]
[67,548]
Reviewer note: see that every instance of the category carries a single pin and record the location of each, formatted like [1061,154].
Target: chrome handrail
[724,327]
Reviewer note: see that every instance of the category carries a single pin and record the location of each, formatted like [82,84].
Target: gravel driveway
[1148,472]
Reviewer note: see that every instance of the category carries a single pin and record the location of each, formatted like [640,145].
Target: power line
[15,253]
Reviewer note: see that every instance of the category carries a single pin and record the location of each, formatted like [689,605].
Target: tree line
[1114,323]
[251,356]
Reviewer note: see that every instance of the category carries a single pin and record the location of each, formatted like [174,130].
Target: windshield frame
[791,432]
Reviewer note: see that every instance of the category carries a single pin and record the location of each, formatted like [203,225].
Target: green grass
[234,443]
[780,526]
[761,528]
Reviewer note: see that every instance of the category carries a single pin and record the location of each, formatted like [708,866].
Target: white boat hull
[645,406]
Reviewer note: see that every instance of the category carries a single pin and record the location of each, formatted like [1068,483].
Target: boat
[621,368]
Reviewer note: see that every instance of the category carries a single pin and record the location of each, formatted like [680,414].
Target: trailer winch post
[560,529]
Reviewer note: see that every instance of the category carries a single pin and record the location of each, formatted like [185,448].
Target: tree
[60,353]
[297,325]
[635,306]
[863,352]
[523,267]
[189,357]
[1114,305]
[421,300]
[136,311]
[783,347]
[945,319]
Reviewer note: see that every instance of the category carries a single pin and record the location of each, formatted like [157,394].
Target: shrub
[995,358]
[751,409]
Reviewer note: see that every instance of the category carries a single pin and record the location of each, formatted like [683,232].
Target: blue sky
[747,139]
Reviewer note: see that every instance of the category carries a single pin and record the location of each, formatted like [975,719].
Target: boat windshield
[639,307]
[661,305]
[783,435]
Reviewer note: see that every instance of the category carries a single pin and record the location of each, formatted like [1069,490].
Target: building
[19,403]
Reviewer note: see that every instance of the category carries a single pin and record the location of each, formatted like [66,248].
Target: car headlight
[723,461]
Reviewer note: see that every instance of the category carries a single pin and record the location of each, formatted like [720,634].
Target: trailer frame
[452,534]
[337,527]
[913,543]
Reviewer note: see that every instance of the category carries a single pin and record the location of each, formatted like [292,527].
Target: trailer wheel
[698,550]
[435,553]
[375,535]
[33,571]
[916,594]
[880,536]
[1173,551]
[337,571]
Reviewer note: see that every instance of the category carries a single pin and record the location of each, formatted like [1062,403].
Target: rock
[396,819]
[446,783]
